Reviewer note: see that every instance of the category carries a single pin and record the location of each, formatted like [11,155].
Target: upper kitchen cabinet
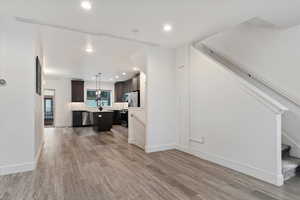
[123,87]
[127,86]
[119,91]
[77,91]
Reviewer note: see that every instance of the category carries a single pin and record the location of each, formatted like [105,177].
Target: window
[91,98]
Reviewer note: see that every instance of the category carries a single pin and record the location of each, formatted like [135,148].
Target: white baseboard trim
[12,169]
[275,179]
[24,167]
[134,142]
[131,141]
[164,147]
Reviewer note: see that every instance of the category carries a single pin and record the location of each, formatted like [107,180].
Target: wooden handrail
[269,101]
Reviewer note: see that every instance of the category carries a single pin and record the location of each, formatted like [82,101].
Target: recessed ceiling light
[117,77]
[136,69]
[87,5]
[167,27]
[89,50]
[124,73]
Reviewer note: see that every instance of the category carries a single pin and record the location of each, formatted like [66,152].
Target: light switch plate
[2,82]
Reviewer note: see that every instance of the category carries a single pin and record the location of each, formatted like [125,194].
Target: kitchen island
[103,120]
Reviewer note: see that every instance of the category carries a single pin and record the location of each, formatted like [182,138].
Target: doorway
[49,108]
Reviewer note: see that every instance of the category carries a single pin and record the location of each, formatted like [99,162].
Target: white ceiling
[65,56]
[191,19]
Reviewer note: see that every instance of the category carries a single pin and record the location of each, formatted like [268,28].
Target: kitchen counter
[91,110]
[103,111]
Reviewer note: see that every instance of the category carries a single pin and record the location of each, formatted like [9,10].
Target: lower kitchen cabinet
[81,118]
[117,117]
[77,118]
[103,121]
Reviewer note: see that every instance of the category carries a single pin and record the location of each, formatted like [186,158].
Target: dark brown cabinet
[77,118]
[135,83]
[127,86]
[77,91]
[117,117]
[119,92]
[124,87]
[103,121]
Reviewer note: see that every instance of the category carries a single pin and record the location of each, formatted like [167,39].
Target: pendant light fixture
[98,91]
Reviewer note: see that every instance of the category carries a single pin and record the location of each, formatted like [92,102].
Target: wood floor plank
[79,164]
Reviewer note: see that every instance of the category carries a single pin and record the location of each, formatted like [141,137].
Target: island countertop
[101,111]
[92,111]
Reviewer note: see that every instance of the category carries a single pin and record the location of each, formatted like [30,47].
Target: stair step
[290,167]
[285,149]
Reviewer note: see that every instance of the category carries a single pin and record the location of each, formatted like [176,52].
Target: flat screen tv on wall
[38,76]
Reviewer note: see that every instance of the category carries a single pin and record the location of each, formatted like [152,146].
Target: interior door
[48,111]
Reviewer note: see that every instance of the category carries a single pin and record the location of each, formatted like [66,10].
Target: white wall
[63,106]
[183,95]
[49,92]
[39,102]
[271,55]
[143,92]
[17,104]
[161,98]
[227,123]
[62,100]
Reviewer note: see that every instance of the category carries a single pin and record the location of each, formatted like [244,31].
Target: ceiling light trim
[167,28]
[86,5]
[108,35]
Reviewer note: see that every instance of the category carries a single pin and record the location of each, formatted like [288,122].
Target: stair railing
[238,70]
[264,98]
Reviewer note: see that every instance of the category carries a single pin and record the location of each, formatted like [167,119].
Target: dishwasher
[87,119]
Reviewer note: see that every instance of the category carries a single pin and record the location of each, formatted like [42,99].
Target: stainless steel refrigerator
[133,99]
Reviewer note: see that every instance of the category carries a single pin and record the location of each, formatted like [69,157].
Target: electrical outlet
[201,140]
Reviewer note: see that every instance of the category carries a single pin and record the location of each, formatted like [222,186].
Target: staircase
[290,165]
[262,91]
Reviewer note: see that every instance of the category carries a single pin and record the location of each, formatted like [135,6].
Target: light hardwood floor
[81,165]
